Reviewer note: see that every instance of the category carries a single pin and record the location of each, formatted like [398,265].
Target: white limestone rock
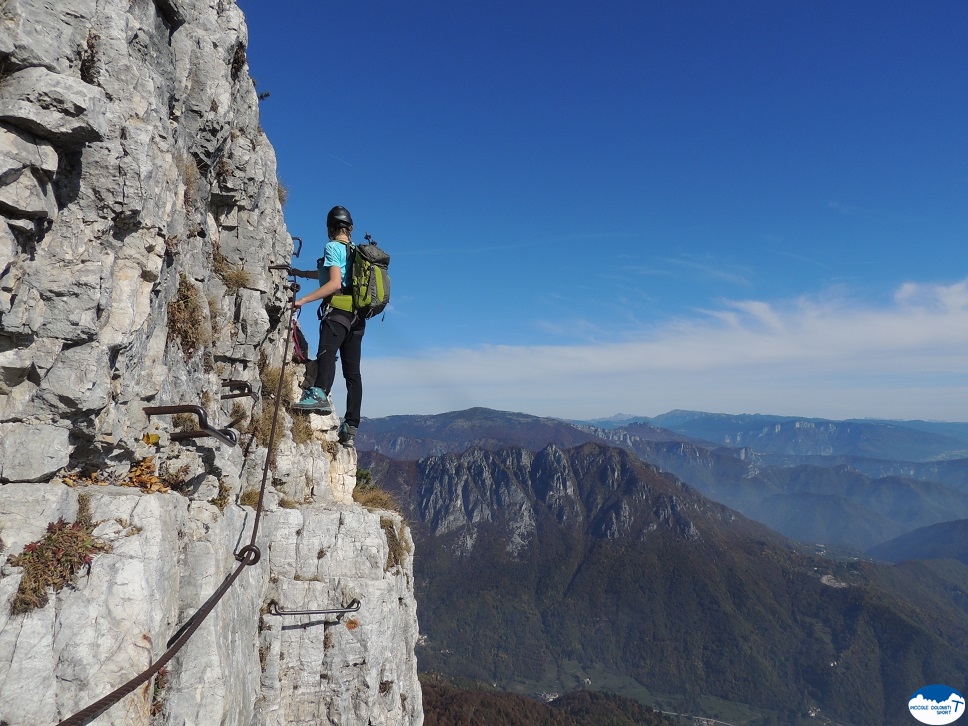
[27,510]
[25,193]
[32,452]
[340,670]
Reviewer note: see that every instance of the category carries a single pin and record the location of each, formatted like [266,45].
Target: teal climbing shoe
[316,400]
[347,434]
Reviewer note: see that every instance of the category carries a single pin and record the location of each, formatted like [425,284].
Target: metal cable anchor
[274,609]
[229,437]
[244,385]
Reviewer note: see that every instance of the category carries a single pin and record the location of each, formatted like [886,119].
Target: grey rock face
[65,110]
[139,213]
[592,490]
[32,452]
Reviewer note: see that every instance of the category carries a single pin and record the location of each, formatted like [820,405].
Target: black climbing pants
[342,333]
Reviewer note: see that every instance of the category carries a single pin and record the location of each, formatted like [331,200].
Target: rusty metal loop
[249,555]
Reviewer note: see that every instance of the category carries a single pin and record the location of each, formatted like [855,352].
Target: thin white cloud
[713,269]
[820,356]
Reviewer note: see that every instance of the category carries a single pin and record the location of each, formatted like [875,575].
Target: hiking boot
[316,400]
[347,434]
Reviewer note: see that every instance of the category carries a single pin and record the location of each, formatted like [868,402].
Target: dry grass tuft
[249,498]
[221,500]
[374,498]
[260,424]
[397,547]
[288,503]
[302,429]
[186,319]
[234,278]
[188,168]
[371,496]
[53,562]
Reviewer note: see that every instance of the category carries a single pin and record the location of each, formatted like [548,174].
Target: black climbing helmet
[338,217]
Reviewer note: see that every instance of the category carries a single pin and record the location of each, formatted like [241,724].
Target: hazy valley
[663,562]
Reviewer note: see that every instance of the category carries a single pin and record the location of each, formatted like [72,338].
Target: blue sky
[639,206]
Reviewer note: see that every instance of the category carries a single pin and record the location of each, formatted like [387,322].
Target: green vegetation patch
[54,561]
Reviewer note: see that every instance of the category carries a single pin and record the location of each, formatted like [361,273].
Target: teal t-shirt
[334,256]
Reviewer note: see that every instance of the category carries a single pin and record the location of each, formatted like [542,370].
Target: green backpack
[370,279]
[369,290]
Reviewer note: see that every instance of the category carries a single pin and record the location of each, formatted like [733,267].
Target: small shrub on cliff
[158,692]
[186,320]
[90,73]
[234,278]
[53,562]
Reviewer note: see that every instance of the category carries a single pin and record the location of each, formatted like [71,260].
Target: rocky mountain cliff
[140,215]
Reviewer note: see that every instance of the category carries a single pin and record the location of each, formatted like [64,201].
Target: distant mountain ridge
[415,437]
[798,436]
[835,505]
[820,502]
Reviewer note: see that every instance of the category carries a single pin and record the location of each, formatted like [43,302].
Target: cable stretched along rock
[247,556]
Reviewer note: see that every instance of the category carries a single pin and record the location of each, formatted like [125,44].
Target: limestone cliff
[140,215]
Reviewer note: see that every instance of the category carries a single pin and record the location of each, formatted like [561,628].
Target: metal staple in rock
[246,556]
